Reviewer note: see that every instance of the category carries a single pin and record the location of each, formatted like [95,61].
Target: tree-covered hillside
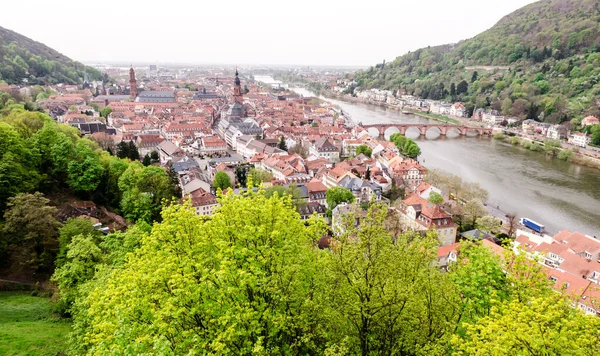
[23,58]
[541,61]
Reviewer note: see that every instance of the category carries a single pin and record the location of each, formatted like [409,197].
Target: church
[147,96]
[235,122]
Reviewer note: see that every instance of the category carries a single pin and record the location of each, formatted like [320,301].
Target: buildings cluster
[206,124]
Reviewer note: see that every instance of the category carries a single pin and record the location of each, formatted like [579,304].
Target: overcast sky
[307,32]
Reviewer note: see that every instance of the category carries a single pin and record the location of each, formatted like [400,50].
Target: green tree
[480,279]
[281,144]
[543,326]
[386,295]
[221,181]
[144,190]
[474,77]
[565,154]
[16,171]
[506,106]
[106,111]
[364,149]
[337,195]
[79,266]
[31,229]
[74,227]
[147,160]
[473,210]
[436,198]
[462,88]
[85,170]
[154,156]
[247,281]
[259,176]
[489,224]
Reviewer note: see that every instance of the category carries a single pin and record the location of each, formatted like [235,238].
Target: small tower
[237,89]
[132,84]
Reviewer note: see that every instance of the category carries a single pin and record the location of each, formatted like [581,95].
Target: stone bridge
[423,128]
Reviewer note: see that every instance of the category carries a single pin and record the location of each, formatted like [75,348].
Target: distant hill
[551,49]
[23,58]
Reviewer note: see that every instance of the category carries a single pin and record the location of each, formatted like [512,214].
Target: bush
[565,155]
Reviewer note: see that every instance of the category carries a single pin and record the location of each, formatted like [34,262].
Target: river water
[558,194]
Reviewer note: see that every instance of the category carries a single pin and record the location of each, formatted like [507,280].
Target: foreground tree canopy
[39,156]
[251,280]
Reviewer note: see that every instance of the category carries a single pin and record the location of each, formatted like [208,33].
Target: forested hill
[540,61]
[23,58]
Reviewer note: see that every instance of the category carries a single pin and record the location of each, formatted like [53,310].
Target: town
[221,130]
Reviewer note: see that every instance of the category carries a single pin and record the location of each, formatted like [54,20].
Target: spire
[237,78]
[132,84]
[237,89]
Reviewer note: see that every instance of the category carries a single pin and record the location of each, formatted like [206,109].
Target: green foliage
[489,224]
[546,325]
[364,149]
[251,280]
[74,227]
[407,146]
[480,280]
[243,282]
[337,195]
[105,111]
[291,191]
[436,198]
[23,58]
[565,154]
[78,267]
[534,54]
[128,150]
[259,176]
[144,190]
[387,298]
[147,160]
[84,170]
[221,181]
[281,144]
[31,230]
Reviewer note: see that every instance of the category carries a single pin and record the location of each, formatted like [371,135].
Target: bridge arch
[390,131]
[453,131]
[435,131]
[373,132]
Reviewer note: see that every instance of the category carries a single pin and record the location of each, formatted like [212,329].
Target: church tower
[237,89]
[132,84]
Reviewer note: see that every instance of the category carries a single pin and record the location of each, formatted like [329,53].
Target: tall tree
[31,229]
[388,297]
[247,281]
[337,195]
[462,87]
[364,149]
[221,181]
[281,144]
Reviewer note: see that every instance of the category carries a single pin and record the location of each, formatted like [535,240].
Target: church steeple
[237,89]
[132,84]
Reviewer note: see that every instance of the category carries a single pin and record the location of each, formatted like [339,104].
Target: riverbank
[441,118]
[561,153]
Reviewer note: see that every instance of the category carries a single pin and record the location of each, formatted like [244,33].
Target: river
[558,194]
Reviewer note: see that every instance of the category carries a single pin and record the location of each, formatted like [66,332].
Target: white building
[579,139]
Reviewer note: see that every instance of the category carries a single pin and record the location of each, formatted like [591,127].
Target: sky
[308,32]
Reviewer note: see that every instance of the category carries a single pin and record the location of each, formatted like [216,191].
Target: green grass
[28,328]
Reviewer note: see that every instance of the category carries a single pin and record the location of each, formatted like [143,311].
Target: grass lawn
[27,326]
